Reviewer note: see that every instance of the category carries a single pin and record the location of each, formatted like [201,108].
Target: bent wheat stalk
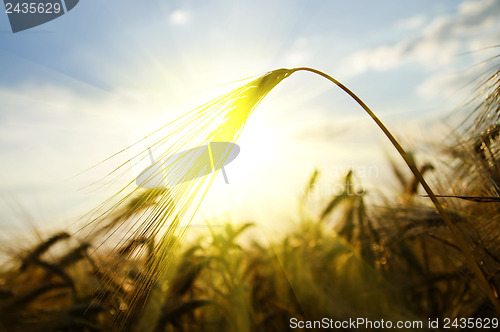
[222,120]
[460,240]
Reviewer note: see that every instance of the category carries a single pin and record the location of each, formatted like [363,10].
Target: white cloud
[454,85]
[438,42]
[444,85]
[50,133]
[179,17]
[411,23]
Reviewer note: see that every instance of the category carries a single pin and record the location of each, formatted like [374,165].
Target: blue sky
[74,89]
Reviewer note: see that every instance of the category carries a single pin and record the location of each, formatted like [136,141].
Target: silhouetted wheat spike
[484,121]
[132,245]
[57,270]
[478,199]
[176,304]
[42,248]
[30,296]
[74,255]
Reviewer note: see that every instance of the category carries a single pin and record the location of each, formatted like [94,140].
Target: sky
[77,89]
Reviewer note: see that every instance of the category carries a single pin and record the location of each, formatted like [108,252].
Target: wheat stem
[461,241]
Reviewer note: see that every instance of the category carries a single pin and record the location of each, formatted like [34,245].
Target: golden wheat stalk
[461,241]
[222,120]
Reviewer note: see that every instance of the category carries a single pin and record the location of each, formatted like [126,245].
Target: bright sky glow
[74,91]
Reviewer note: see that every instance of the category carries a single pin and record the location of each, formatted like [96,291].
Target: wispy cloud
[411,23]
[437,43]
[50,133]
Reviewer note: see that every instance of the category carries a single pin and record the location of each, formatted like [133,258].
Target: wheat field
[422,253]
